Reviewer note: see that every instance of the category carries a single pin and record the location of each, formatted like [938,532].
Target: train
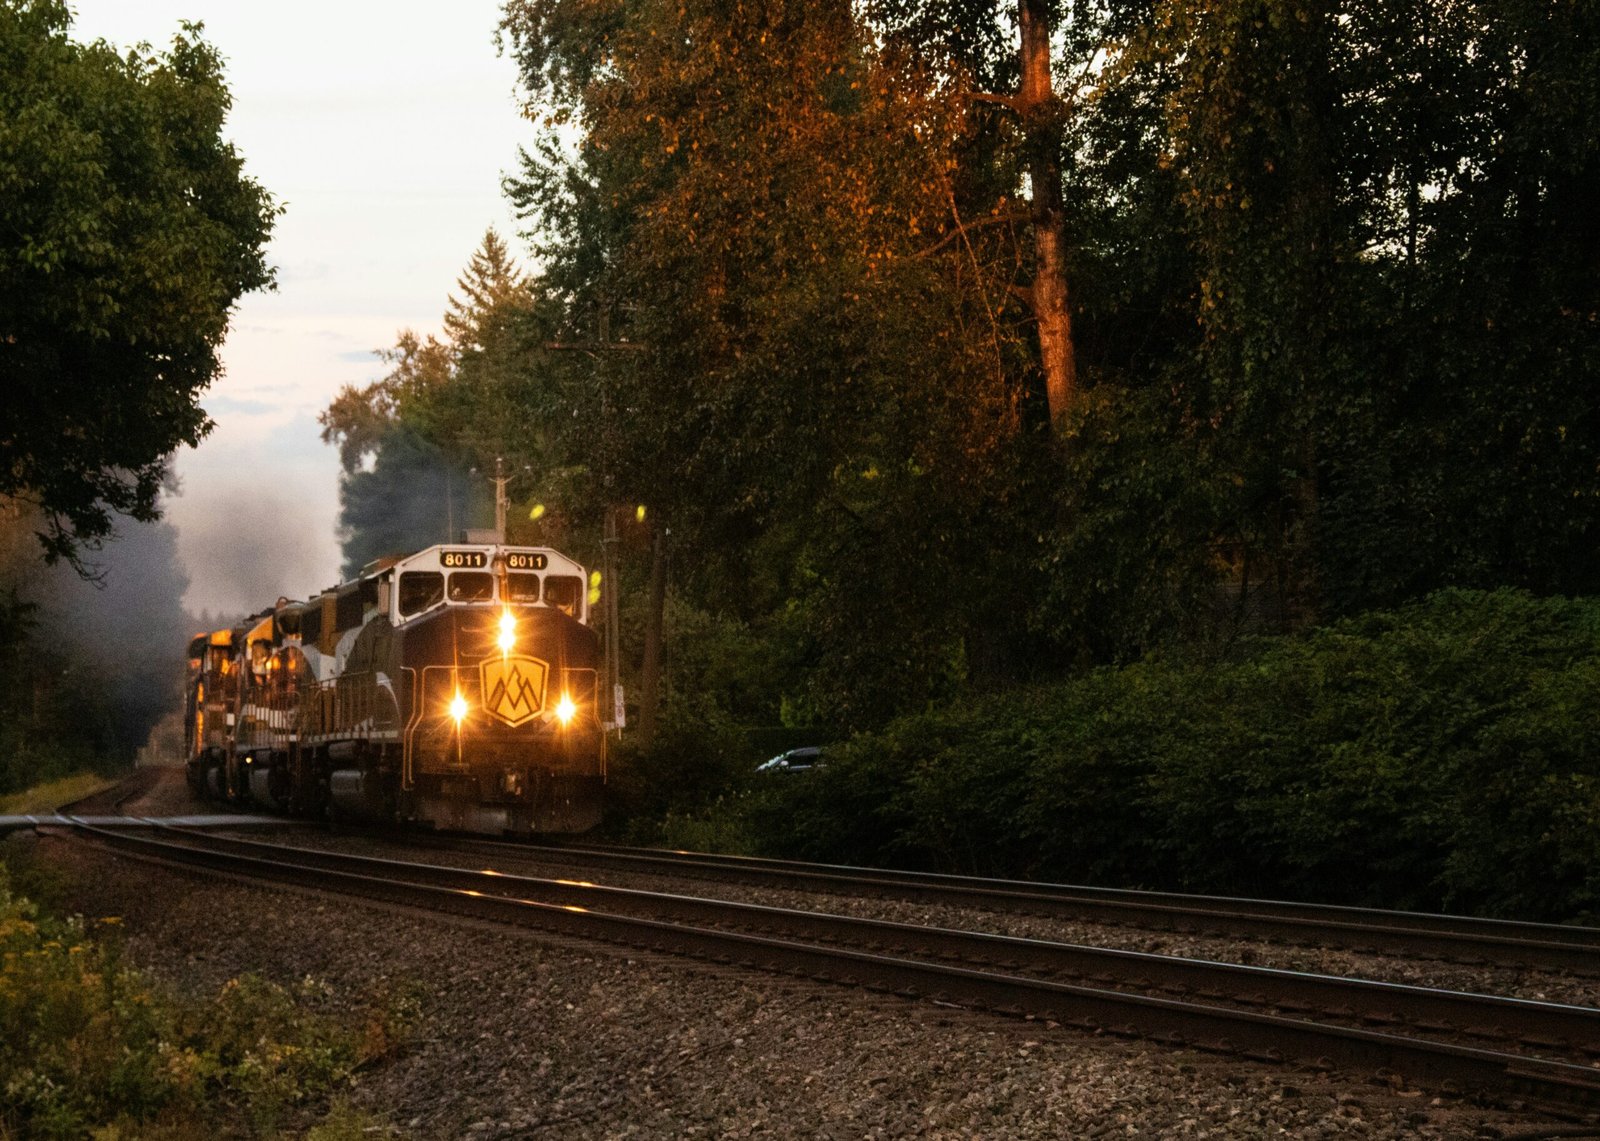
[456,688]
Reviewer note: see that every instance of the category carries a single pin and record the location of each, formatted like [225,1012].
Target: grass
[90,1046]
[46,798]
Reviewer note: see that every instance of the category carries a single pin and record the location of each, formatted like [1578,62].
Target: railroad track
[114,799]
[1447,938]
[1542,1052]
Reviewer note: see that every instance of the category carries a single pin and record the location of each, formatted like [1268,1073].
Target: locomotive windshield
[522,587]
[563,592]
[420,590]
[471,586]
[470,576]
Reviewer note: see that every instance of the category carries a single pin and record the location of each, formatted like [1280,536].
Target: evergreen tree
[490,283]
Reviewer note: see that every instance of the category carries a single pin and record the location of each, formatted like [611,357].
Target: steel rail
[1463,939]
[1256,1035]
[1547,1025]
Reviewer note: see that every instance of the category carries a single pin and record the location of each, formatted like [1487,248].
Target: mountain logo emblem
[513,687]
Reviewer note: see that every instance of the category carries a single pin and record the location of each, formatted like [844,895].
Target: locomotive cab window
[420,590]
[471,586]
[522,588]
[564,592]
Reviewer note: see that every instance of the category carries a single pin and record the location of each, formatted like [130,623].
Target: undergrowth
[1442,756]
[91,1047]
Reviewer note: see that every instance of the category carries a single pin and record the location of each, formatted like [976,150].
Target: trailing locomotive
[456,687]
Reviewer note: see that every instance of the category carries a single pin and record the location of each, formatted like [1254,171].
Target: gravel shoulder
[524,1035]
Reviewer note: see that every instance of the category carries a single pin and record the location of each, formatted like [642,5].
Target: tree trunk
[1041,117]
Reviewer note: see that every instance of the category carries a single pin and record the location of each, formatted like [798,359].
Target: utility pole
[609,542]
[608,595]
[501,502]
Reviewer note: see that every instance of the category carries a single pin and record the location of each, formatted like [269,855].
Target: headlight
[508,631]
[458,708]
[565,710]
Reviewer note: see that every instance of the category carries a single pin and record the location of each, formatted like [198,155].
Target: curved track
[1452,938]
[1545,1052]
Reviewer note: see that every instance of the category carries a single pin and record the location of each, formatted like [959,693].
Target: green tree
[1333,313]
[408,440]
[1333,316]
[825,342]
[131,230]
[1472,456]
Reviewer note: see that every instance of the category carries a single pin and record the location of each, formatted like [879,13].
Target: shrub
[1444,755]
[88,1045]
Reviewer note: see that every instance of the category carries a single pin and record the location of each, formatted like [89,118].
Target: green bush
[89,1046]
[1445,755]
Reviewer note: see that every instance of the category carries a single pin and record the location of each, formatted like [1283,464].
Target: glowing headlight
[508,632]
[565,710]
[458,708]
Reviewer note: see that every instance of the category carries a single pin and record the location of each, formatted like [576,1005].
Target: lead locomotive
[457,687]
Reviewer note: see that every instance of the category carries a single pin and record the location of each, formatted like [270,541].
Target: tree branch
[963,228]
[1009,102]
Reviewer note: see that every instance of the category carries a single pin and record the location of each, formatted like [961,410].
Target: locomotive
[455,688]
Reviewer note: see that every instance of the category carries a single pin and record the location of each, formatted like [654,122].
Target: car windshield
[795,760]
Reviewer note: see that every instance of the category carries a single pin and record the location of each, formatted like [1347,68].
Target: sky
[385,129]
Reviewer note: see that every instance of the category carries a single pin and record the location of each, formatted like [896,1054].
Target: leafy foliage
[1335,319]
[89,1045]
[1438,756]
[131,231]
[822,345]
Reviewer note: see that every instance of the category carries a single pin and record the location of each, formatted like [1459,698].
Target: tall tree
[1256,130]
[980,50]
[1041,113]
[490,283]
[769,202]
[1475,459]
[131,230]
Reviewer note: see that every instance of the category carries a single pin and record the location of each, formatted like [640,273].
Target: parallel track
[1319,1021]
[1460,939]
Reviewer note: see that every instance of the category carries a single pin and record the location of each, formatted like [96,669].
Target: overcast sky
[385,128]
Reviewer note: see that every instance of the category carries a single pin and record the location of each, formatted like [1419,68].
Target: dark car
[794,761]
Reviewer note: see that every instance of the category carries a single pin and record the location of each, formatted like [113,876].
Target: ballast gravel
[1510,982]
[529,1036]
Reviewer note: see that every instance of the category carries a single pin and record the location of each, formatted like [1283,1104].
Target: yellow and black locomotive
[457,687]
